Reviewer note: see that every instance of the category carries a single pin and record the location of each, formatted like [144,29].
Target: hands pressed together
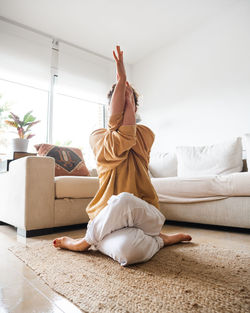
[122,78]
[120,69]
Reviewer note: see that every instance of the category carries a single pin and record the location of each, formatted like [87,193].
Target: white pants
[127,229]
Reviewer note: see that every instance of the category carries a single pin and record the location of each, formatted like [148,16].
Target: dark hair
[135,93]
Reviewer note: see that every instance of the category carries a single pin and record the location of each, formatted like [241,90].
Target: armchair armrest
[28,193]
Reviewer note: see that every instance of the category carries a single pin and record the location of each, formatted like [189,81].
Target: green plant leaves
[28,118]
[31,124]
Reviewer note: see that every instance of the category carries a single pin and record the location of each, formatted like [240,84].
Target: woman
[125,220]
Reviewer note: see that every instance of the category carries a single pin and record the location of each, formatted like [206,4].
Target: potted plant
[23,129]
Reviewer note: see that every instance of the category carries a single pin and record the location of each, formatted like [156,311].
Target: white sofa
[35,201]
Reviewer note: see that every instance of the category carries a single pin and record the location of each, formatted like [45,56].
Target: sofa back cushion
[68,161]
[163,164]
[221,158]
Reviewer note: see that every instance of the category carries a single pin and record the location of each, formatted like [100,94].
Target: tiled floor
[21,291]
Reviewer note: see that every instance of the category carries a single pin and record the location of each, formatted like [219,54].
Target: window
[73,121]
[79,95]
[20,99]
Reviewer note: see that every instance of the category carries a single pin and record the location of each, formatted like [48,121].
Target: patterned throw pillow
[69,161]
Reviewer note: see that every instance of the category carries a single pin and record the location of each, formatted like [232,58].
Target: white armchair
[27,194]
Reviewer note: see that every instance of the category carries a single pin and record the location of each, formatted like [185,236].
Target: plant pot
[19,145]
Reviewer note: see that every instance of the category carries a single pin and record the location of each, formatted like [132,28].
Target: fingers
[119,52]
[119,56]
[120,68]
[115,56]
[128,87]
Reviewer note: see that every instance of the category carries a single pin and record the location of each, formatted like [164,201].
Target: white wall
[197,90]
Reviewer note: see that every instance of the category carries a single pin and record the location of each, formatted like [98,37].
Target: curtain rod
[39,32]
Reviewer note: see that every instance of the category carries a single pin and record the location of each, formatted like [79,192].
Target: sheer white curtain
[24,56]
[82,74]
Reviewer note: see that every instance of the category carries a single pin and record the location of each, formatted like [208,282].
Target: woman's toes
[186,237]
[57,242]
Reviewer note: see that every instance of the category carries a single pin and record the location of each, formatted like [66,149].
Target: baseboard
[47,231]
[208,226]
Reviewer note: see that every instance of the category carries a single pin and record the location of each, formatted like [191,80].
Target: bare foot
[172,239]
[71,244]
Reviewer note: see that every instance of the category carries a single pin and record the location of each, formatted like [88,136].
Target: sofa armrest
[28,193]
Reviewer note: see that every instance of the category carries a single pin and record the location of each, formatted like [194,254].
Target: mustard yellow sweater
[122,157]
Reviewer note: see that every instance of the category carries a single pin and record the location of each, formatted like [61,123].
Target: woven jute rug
[187,277]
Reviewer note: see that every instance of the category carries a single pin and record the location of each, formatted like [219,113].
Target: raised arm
[118,98]
[111,146]
[130,108]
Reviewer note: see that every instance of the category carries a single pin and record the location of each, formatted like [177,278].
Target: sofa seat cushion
[199,189]
[76,187]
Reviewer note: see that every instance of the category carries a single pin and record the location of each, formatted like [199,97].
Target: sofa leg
[21,232]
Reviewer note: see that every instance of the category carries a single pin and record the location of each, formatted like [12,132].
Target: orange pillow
[68,161]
